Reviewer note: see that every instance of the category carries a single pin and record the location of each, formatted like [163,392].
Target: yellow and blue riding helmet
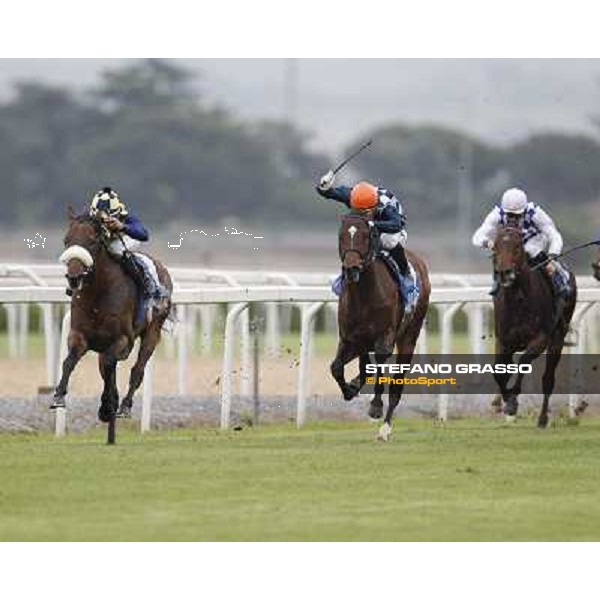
[107,201]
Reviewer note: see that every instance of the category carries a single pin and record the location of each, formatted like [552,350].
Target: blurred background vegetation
[145,129]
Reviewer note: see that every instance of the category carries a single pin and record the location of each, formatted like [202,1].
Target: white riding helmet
[514,201]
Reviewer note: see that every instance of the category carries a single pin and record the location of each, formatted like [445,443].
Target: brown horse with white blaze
[371,313]
[103,309]
[525,319]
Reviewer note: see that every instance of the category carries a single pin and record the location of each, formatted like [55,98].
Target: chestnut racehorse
[525,320]
[371,313]
[103,309]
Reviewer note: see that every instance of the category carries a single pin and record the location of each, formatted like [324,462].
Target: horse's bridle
[367,257]
[513,272]
[93,248]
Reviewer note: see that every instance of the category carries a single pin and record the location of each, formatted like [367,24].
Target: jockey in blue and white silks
[541,238]
[389,219]
[389,215]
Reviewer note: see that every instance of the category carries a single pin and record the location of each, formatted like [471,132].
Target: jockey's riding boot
[562,290]
[136,272]
[398,254]
[559,309]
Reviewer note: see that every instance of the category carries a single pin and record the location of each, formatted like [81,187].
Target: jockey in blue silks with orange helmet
[389,219]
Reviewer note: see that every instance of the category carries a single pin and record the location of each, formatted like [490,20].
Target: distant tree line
[146,130]
[432,167]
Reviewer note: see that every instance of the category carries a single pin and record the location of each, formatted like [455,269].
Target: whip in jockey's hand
[113,214]
[388,216]
[541,238]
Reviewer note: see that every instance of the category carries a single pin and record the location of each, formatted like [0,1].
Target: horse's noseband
[77,281]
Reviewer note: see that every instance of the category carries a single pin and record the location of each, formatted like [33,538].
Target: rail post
[182,348]
[306,332]
[446,312]
[60,414]
[147,396]
[246,370]
[228,355]
[580,312]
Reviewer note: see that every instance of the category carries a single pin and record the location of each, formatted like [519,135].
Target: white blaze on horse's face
[352,231]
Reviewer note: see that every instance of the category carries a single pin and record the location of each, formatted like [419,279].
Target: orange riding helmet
[363,196]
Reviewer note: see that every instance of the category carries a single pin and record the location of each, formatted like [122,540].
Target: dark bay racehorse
[371,311]
[525,320]
[103,308]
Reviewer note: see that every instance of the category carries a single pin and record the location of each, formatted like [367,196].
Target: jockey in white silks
[541,238]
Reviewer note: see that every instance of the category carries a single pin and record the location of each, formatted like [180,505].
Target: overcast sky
[338,99]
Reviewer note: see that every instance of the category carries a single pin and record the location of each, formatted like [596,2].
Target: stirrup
[58,402]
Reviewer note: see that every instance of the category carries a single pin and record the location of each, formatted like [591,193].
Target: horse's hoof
[542,422]
[385,431]
[375,412]
[124,412]
[580,408]
[58,402]
[105,414]
[350,392]
[510,418]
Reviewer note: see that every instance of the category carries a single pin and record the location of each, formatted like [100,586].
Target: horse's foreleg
[109,401]
[358,381]
[77,348]
[405,354]
[376,405]
[552,359]
[110,395]
[532,352]
[344,355]
[511,405]
[406,340]
[148,344]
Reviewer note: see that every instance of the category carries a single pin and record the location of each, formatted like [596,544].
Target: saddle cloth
[145,305]
[409,285]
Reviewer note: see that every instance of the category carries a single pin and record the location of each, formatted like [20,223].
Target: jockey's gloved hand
[113,224]
[327,180]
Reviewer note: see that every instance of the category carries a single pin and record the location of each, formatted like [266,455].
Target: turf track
[468,480]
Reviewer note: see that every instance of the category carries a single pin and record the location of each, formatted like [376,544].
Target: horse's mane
[84,218]
[510,231]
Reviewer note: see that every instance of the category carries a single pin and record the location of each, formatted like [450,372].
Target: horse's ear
[71,214]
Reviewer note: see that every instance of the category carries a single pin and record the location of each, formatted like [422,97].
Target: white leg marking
[510,418]
[385,431]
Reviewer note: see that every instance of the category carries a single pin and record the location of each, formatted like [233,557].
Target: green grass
[468,480]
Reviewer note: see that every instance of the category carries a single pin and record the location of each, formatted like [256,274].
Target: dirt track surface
[277,376]
[23,409]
